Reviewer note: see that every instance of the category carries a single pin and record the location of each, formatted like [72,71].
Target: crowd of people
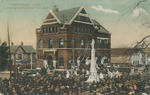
[56,83]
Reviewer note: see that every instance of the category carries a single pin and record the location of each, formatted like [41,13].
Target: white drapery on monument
[93,72]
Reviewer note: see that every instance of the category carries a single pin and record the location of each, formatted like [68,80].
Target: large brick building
[65,37]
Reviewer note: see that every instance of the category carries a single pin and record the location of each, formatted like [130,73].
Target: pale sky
[122,18]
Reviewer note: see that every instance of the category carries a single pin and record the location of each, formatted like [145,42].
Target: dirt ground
[5,74]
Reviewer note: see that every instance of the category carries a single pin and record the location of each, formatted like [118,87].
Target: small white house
[130,56]
[22,54]
[141,57]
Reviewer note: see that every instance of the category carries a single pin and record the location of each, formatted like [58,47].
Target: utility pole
[0,41]
[10,64]
[73,52]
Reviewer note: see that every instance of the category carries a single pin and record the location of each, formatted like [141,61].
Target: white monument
[45,65]
[78,62]
[101,76]
[132,70]
[93,72]
[87,61]
[68,74]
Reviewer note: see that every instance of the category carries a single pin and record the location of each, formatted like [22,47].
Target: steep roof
[65,16]
[13,48]
[102,29]
[27,49]
[68,16]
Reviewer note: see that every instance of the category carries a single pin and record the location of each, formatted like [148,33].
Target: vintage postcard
[74,47]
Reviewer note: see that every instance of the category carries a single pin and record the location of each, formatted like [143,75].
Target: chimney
[22,43]
[55,8]
[12,43]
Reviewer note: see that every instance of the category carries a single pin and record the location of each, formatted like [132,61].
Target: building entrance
[50,61]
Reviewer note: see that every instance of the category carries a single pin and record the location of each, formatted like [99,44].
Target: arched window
[40,44]
[61,43]
[82,43]
[61,61]
[50,43]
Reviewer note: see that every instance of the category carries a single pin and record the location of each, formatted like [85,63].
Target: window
[61,61]
[57,29]
[78,29]
[50,30]
[85,31]
[75,28]
[40,45]
[61,43]
[82,30]
[82,18]
[46,29]
[99,41]
[53,30]
[82,43]
[89,31]
[105,41]
[50,43]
